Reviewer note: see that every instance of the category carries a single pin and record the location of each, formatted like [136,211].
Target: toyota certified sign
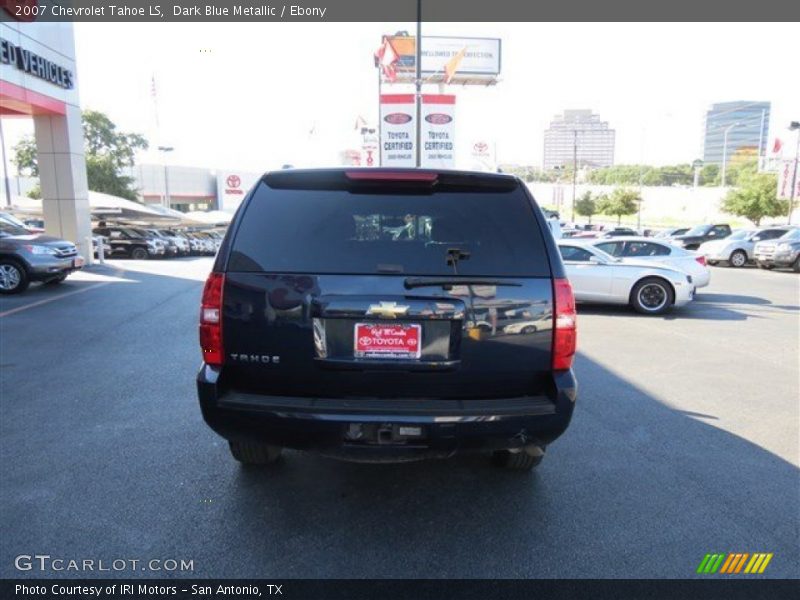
[397,131]
[438,131]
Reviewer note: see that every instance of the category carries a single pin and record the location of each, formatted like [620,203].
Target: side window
[718,231]
[771,234]
[117,235]
[574,254]
[645,249]
[612,248]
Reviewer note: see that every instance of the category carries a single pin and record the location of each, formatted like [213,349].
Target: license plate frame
[78,263]
[407,344]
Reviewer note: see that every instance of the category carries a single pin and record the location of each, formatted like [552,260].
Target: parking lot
[684,442]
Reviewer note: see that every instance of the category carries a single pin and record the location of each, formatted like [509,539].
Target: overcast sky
[247,95]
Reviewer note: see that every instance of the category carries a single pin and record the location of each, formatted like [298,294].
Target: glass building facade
[595,140]
[748,129]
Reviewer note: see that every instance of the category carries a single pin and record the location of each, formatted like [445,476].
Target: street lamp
[166,149]
[725,150]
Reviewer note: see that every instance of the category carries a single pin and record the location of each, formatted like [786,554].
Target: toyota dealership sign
[232,187]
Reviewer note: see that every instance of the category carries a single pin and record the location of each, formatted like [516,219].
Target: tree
[709,175]
[108,151]
[25,158]
[622,201]
[755,198]
[585,206]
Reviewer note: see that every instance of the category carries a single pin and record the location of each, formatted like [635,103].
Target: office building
[595,141]
[747,124]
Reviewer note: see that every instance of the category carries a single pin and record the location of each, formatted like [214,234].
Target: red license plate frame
[401,341]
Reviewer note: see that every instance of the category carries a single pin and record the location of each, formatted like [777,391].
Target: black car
[363,314]
[618,232]
[131,242]
[692,239]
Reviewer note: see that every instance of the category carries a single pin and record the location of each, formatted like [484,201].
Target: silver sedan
[651,289]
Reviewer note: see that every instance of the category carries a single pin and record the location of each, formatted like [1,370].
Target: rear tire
[253,453]
[524,460]
[13,277]
[796,265]
[738,259]
[139,254]
[652,296]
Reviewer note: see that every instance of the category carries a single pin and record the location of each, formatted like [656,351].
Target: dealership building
[39,81]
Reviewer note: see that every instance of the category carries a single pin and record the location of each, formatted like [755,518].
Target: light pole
[574,170]
[418,81]
[794,126]
[166,149]
[725,150]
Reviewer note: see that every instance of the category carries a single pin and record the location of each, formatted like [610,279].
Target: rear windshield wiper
[416,282]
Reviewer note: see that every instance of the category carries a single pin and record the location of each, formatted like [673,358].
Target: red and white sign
[373,340]
[438,131]
[397,130]
[232,187]
[369,147]
[786,170]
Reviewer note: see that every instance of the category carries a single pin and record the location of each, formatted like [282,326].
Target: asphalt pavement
[684,442]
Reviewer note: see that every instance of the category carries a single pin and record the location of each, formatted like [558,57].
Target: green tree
[108,151]
[25,157]
[709,175]
[585,206]
[755,198]
[622,201]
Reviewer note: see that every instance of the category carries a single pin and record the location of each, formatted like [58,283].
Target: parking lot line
[53,299]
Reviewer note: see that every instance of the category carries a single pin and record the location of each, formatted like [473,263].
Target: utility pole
[166,149]
[418,65]
[725,150]
[574,170]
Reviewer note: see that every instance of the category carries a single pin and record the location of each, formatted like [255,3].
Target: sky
[247,95]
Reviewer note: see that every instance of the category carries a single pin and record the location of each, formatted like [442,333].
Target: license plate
[77,263]
[373,340]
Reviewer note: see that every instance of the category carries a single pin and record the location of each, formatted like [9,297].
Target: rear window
[339,231]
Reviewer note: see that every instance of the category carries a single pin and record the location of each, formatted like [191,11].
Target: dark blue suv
[385,315]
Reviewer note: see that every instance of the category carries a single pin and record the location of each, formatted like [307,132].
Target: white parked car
[650,288]
[737,249]
[659,251]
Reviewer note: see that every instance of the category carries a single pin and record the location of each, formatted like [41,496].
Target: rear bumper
[683,294]
[375,429]
[778,259]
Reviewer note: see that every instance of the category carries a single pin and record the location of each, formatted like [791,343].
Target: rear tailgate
[341,288]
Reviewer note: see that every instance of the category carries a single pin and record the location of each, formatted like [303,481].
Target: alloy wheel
[653,296]
[9,277]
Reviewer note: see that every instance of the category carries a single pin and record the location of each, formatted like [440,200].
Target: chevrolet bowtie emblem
[388,310]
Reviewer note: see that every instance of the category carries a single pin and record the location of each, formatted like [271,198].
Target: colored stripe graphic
[733,563]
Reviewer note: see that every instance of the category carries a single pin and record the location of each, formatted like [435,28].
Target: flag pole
[418,64]
[380,121]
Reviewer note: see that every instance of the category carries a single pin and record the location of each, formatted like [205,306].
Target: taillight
[211,320]
[701,260]
[565,333]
